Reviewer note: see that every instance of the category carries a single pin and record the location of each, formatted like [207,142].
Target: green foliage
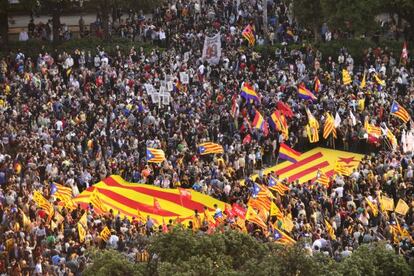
[186,253]
[359,15]
[32,48]
[374,259]
[110,262]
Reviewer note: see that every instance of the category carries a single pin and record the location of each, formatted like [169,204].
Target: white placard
[184,78]
[170,86]
[212,49]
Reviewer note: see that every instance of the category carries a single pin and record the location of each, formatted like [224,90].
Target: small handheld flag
[155,155]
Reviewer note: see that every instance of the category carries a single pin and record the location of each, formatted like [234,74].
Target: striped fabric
[209,148]
[130,198]
[400,112]
[282,238]
[248,34]
[329,127]
[61,192]
[155,155]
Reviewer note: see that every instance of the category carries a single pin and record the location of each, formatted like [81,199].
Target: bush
[32,48]
[233,253]
[356,47]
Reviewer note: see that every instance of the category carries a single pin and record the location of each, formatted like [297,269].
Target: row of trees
[58,7]
[355,16]
[233,253]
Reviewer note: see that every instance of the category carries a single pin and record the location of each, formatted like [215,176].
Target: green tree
[4,22]
[374,259]
[110,262]
[352,16]
[404,9]
[309,13]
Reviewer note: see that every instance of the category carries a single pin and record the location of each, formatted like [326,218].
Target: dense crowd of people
[76,118]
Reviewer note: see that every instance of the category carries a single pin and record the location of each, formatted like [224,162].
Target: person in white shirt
[23,36]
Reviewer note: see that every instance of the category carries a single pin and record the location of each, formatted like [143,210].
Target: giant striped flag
[129,198]
[155,155]
[305,93]
[209,148]
[287,153]
[247,92]
[400,112]
[329,127]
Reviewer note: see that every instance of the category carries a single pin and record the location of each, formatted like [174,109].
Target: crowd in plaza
[76,118]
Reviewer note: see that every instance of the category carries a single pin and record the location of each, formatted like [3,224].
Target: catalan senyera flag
[317,85]
[82,233]
[155,155]
[248,34]
[26,220]
[95,200]
[287,153]
[309,163]
[247,92]
[105,234]
[282,238]
[278,122]
[61,192]
[400,112]
[374,208]
[253,217]
[312,128]
[43,203]
[17,168]
[305,93]
[346,77]
[209,148]
[372,129]
[379,81]
[342,169]
[329,127]
[126,198]
[84,221]
[363,82]
[387,203]
[330,230]
[402,207]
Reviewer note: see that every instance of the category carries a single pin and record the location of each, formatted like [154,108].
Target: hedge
[32,48]
[356,47]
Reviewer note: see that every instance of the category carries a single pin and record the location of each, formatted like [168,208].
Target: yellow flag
[26,220]
[374,208]
[96,201]
[346,78]
[105,234]
[287,224]
[361,104]
[402,207]
[84,221]
[330,230]
[275,211]
[43,203]
[363,83]
[53,225]
[82,233]
[59,218]
[387,204]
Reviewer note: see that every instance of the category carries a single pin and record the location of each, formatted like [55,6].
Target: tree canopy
[183,252]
